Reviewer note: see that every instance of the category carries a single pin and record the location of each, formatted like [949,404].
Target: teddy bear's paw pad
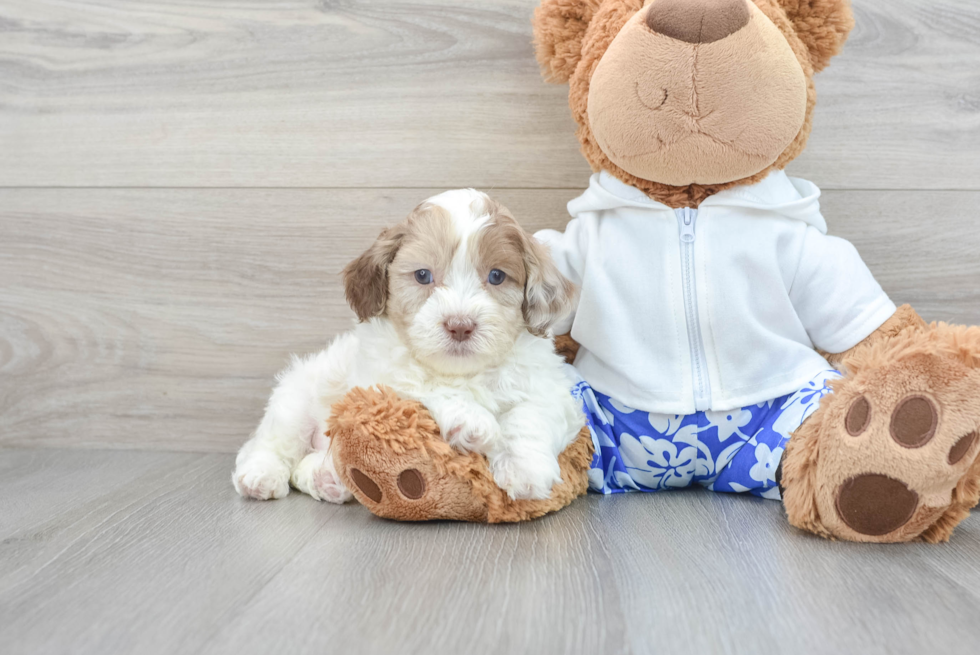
[858,417]
[411,484]
[962,448]
[874,505]
[368,487]
[913,423]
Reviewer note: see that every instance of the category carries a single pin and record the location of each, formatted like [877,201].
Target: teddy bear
[722,338]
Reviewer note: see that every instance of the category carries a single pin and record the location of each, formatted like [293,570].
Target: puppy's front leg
[463,423]
[283,437]
[294,418]
[525,460]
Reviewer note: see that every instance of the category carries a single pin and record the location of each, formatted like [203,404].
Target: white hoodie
[712,308]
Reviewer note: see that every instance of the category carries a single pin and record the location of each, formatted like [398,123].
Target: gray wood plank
[150,566]
[51,478]
[426,93]
[747,582]
[157,318]
[173,561]
[921,246]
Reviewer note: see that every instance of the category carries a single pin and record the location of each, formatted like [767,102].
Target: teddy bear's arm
[567,347]
[904,317]
[568,252]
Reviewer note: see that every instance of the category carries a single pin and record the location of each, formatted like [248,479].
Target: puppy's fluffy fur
[455,304]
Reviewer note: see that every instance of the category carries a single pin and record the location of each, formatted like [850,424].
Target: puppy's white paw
[328,486]
[525,478]
[315,475]
[261,477]
[469,428]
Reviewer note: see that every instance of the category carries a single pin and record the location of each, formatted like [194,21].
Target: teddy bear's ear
[559,26]
[822,25]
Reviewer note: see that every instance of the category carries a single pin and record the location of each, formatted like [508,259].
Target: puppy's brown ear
[559,26]
[366,278]
[822,25]
[548,295]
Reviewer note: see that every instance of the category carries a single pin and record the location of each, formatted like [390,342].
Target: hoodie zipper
[687,219]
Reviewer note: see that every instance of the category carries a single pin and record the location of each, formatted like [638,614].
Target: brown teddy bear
[726,339]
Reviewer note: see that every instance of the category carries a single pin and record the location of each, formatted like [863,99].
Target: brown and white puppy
[455,305]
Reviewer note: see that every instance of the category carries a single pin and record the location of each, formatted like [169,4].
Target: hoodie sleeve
[836,297]
[568,250]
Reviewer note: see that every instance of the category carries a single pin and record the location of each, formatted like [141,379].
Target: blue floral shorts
[734,451]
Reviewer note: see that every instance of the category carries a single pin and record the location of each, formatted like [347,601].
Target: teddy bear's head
[684,98]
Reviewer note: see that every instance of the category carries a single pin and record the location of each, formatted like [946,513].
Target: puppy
[455,305]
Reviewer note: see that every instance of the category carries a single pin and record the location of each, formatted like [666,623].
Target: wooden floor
[181,182]
[137,552]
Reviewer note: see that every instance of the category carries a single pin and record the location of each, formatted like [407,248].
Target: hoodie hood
[777,193]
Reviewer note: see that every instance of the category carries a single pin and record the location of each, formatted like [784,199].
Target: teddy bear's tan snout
[697,21]
[707,91]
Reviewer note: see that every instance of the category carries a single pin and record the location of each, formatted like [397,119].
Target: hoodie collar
[777,193]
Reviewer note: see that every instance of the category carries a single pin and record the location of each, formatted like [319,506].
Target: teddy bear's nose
[697,21]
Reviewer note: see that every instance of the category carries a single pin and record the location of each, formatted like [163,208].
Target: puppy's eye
[496,277]
[423,276]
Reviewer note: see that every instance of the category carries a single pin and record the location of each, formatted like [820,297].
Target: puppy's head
[460,280]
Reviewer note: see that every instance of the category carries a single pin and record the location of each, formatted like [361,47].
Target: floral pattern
[733,451]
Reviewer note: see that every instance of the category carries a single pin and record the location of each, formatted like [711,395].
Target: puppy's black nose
[460,329]
[697,21]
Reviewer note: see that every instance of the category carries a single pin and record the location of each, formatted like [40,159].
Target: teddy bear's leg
[403,479]
[389,453]
[892,453]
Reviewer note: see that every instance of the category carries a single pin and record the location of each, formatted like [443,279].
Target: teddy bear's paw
[261,477]
[899,448]
[390,454]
